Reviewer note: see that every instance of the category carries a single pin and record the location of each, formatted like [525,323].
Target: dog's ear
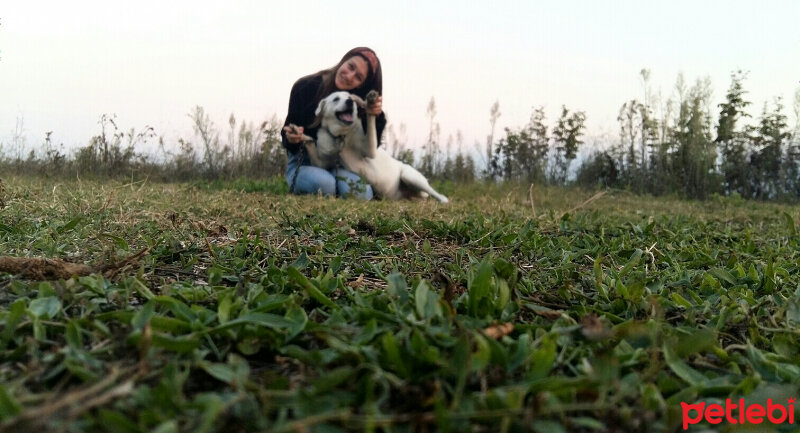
[318,112]
[317,121]
[320,108]
[357,99]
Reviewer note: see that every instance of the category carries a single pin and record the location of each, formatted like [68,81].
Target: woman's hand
[376,108]
[294,134]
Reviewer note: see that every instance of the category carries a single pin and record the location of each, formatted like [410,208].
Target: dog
[340,138]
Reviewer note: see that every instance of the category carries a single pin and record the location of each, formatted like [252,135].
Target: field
[236,307]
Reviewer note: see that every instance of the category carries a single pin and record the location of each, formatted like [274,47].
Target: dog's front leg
[372,137]
[310,145]
[372,133]
[313,155]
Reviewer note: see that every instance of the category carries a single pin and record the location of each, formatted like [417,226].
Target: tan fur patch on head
[357,99]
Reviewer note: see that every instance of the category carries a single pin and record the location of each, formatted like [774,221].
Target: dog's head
[338,112]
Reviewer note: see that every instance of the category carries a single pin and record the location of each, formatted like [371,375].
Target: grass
[255,310]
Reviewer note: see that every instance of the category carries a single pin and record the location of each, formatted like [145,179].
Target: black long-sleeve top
[302,105]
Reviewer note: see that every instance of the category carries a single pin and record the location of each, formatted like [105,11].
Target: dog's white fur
[359,152]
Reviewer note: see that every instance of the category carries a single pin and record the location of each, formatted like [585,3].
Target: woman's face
[351,74]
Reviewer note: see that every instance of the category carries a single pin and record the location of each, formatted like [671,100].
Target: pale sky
[64,64]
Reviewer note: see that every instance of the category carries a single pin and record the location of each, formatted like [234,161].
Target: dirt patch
[42,269]
[35,268]
[2,195]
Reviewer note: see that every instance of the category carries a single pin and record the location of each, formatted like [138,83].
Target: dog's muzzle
[346,115]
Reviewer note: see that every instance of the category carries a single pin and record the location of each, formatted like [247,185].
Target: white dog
[340,136]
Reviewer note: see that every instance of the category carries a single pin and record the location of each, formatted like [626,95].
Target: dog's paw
[372,96]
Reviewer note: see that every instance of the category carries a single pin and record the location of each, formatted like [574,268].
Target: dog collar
[338,138]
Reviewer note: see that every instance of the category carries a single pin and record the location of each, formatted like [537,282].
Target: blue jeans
[311,180]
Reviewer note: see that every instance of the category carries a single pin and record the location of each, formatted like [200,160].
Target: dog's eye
[336,99]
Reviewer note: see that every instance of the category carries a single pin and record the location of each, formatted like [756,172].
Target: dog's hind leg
[413,179]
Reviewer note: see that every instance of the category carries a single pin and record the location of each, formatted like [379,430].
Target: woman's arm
[301,110]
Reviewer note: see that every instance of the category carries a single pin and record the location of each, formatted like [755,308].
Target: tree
[638,137]
[648,123]
[732,140]
[492,169]
[660,171]
[429,163]
[567,138]
[213,156]
[463,167]
[599,169]
[397,139]
[522,153]
[768,140]
[796,113]
[694,155]
[536,159]
[792,164]
[506,158]
[629,133]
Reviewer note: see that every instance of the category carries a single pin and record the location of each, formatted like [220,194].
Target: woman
[358,72]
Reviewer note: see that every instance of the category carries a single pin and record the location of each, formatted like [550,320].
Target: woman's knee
[312,180]
[368,194]
[350,184]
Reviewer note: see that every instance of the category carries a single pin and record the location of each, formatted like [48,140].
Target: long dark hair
[373,81]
